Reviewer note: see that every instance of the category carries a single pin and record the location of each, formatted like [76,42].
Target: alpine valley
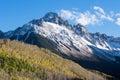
[93,51]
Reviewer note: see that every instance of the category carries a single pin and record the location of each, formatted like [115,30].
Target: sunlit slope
[20,61]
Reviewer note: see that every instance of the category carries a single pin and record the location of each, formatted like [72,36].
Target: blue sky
[100,15]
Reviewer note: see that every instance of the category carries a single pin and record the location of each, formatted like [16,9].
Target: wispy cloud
[118,21]
[117,14]
[67,14]
[96,16]
[99,9]
[82,18]
[100,13]
[86,18]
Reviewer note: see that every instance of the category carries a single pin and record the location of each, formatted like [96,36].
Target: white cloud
[107,17]
[66,14]
[99,9]
[100,13]
[90,17]
[118,21]
[117,14]
[85,18]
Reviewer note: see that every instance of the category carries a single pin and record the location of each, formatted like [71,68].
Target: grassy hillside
[20,61]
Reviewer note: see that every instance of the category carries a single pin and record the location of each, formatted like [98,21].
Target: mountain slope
[22,61]
[73,42]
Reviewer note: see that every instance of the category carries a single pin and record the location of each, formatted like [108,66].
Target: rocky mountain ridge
[69,41]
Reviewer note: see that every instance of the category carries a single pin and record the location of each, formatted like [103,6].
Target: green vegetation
[20,61]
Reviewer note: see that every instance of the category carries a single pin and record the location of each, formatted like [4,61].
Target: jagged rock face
[37,22]
[54,18]
[80,29]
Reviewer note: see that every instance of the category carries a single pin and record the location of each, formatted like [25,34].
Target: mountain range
[91,50]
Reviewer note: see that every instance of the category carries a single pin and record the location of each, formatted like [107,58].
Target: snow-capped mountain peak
[73,42]
[50,17]
[69,40]
[54,18]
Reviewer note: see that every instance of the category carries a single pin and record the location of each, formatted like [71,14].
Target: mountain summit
[70,41]
[54,18]
[50,17]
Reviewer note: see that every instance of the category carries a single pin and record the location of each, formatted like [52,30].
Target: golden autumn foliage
[20,61]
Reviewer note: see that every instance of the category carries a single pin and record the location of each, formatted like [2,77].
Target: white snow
[66,39]
[62,34]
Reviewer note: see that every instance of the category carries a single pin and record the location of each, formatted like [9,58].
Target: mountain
[73,42]
[20,61]
[1,33]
